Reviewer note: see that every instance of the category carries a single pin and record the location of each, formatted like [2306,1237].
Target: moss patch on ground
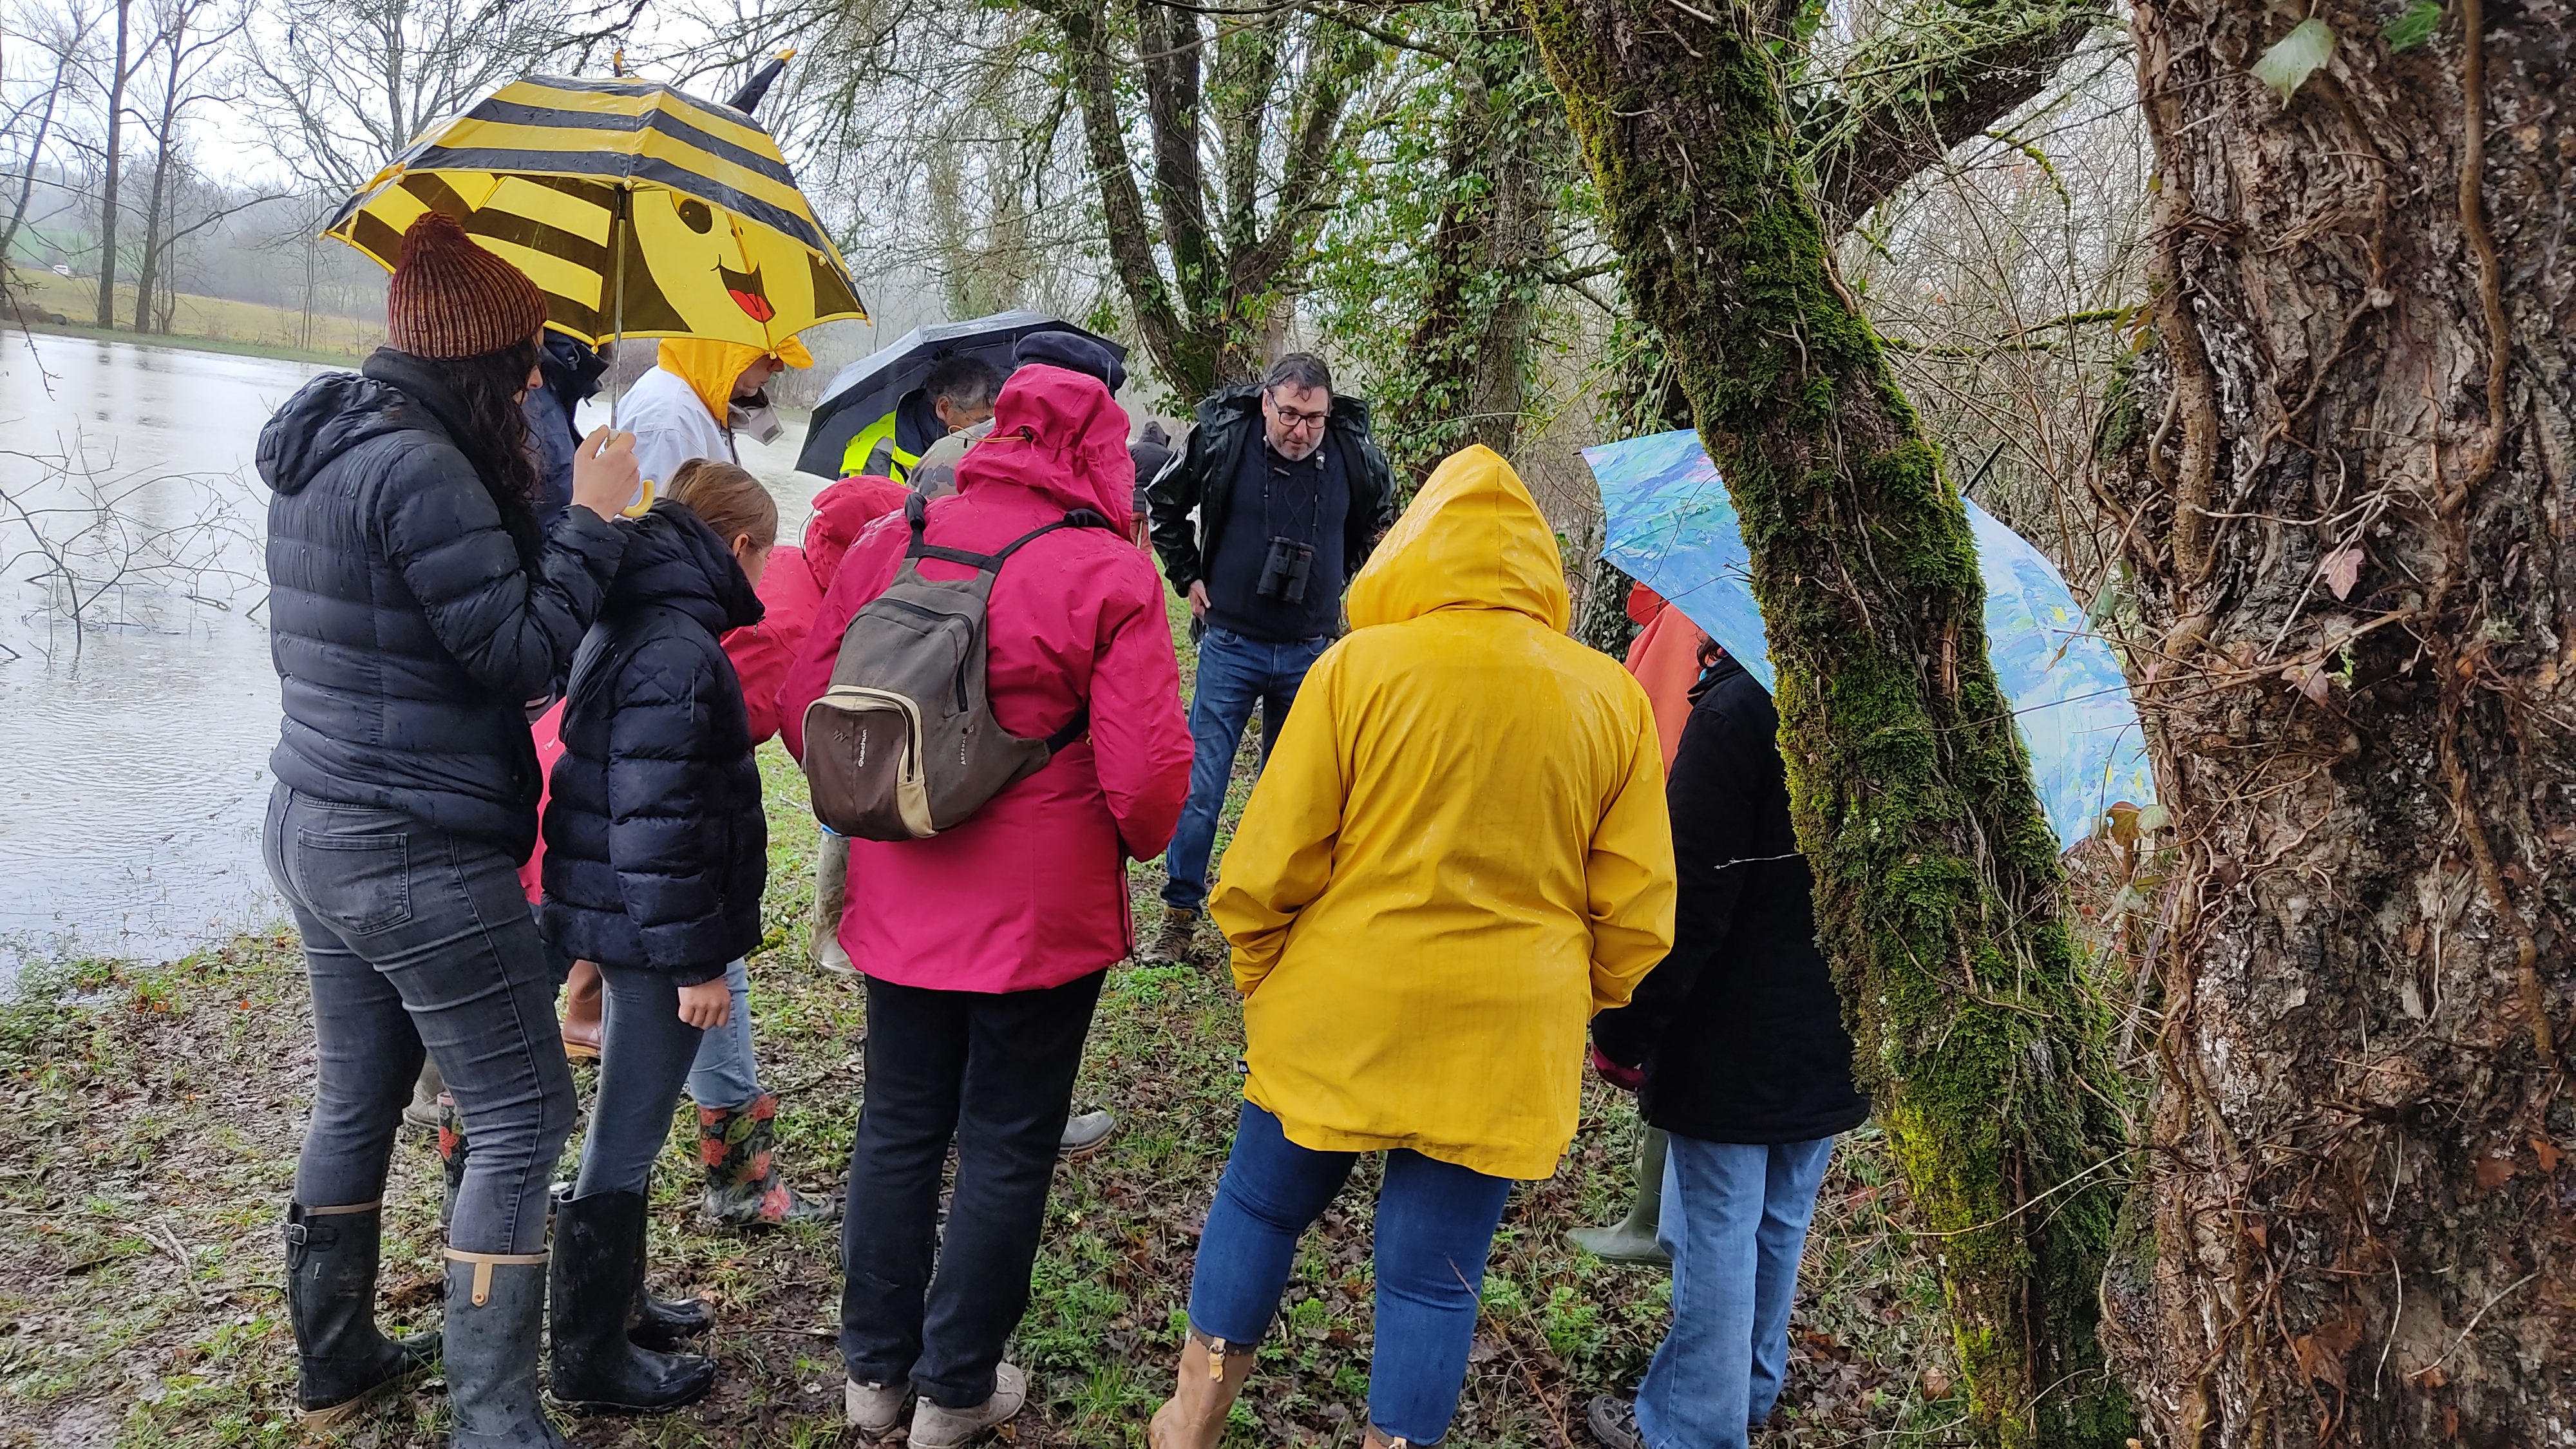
[150,1116]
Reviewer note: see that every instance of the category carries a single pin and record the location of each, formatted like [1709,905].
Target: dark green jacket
[1202,477]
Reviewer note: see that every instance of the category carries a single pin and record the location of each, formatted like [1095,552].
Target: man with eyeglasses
[1289,494]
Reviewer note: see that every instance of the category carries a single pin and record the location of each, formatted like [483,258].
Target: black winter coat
[408,635]
[1211,459]
[656,848]
[1739,1029]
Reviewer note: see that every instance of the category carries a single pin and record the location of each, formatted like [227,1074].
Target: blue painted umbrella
[1671,526]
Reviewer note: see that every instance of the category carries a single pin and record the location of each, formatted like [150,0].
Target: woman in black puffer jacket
[1746,1064]
[417,608]
[656,852]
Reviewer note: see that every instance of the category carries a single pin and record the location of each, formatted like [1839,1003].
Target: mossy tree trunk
[2350,452]
[1938,891]
[1466,370]
[1262,93]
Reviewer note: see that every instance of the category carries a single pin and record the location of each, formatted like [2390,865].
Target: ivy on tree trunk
[1938,891]
[2347,452]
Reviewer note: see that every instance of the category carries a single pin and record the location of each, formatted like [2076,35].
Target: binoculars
[1284,569]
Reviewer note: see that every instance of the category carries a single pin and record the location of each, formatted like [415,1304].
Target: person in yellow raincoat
[1458,853]
[697,396]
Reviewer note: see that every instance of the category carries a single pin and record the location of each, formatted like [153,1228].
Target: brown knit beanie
[450,298]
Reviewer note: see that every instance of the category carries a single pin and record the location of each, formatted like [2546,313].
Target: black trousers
[995,1074]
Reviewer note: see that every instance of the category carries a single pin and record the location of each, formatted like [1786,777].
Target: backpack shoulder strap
[987,562]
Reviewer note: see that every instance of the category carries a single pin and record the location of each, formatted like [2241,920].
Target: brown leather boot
[581,1011]
[1211,1378]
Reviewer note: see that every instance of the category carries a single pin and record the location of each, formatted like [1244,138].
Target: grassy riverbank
[149,1119]
[208,324]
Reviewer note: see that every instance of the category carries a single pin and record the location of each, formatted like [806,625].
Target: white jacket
[671,426]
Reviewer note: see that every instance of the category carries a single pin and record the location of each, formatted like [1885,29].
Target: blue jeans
[645,1049]
[417,940]
[1735,1222]
[1435,1226]
[1234,674]
[724,1076]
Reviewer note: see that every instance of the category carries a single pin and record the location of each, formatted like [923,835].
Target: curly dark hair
[494,437]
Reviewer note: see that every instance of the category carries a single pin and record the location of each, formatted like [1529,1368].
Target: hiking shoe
[1613,1422]
[1086,1132]
[1171,945]
[744,1189]
[874,1409]
[935,1427]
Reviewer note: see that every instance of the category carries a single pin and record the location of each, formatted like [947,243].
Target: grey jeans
[725,1076]
[645,1052]
[418,940]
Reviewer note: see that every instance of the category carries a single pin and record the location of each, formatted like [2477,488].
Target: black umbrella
[868,389]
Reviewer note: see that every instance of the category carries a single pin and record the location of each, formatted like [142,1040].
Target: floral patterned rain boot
[743,1186]
[451,1156]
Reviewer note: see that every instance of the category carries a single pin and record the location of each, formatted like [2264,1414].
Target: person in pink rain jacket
[997,932]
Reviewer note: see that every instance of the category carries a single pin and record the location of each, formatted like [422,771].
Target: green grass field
[200,321]
[150,1116]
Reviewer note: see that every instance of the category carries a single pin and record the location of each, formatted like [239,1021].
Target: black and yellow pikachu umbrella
[639,210]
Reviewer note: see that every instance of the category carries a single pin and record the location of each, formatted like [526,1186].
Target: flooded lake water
[137,739]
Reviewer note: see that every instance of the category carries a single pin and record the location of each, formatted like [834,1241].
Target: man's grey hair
[965,380]
[1301,371]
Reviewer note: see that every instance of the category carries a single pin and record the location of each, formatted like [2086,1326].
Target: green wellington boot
[1632,1238]
[496,1313]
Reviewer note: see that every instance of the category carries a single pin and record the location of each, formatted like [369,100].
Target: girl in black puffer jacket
[656,852]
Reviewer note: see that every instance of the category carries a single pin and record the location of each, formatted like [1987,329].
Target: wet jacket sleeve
[669,865]
[1168,502]
[1372,510]
[1629,870]
[1282,856]
[1714,810]
[513,632]
[760,659]
[1139,737]
[659,452]
[865,571]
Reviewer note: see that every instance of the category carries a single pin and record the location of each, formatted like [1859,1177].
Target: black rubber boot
[496,1305]
[658,1323]
[342,1362]
[598,1266]
[662,1323]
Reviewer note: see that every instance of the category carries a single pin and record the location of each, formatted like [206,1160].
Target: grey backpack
[904,744]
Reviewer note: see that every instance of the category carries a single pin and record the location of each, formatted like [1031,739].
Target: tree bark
[1202,322]
[1929,82]
[35,155]
[1938,890]
[1465,370]
[107,190]
[149,274]
[2349,452]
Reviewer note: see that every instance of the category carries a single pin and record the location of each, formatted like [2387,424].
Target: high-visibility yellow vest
[854,458]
